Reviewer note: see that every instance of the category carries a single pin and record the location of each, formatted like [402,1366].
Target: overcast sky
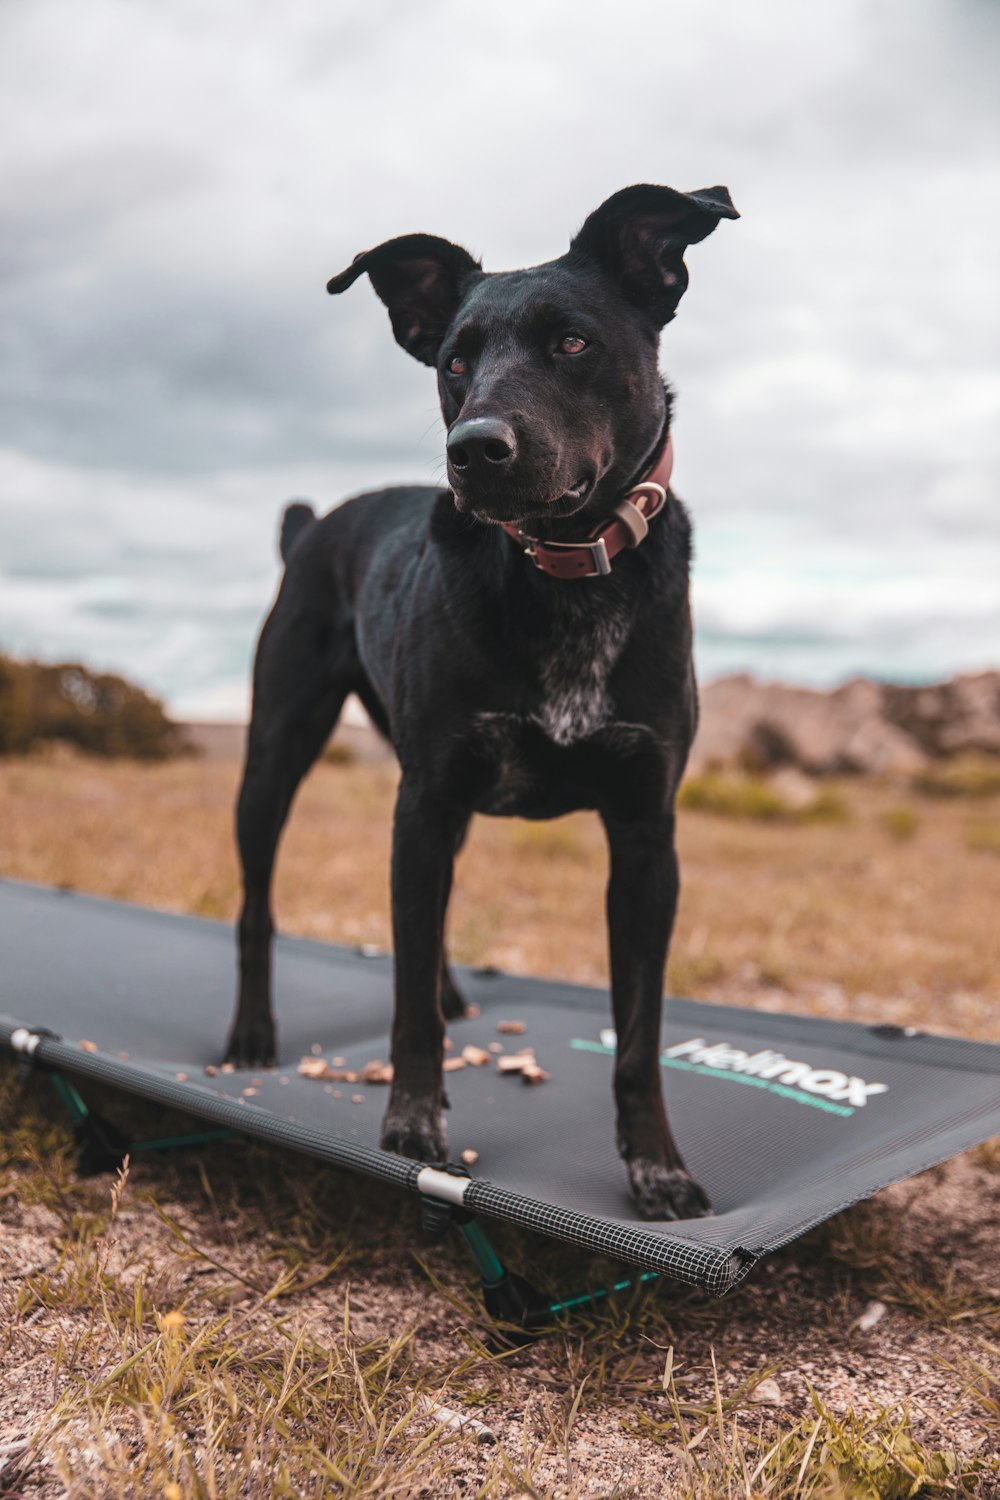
[180,180]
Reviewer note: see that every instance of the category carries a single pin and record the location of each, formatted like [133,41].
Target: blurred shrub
[966,777]
[900,822]
[752,797]
[829,807]
[96,711]
[339,754]
[553,839]
[732,796]
[984,837]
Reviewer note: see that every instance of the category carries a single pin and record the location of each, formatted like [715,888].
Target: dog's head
[548,377]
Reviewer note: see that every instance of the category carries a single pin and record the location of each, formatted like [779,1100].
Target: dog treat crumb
[338,1062]
[123,1056]
[376,1072]
[338,1093]
[767,1393]
[532,1073]
[181,1077]
[452,1064]
[316,1049]
[496,1046]
[448,1044]
[312,1067]
[211,1069]
[249,1093]
[477,1057]
[471,1012]
[357,1098]
[341,1075]
[89,1046]
[470,1158]
[873,1313]
[511,1028]
[516,1062]
[228,1068]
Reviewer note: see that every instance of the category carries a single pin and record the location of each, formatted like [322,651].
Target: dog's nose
[483,444]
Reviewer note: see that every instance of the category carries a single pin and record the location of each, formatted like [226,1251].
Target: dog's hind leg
[301,677]
[642,900]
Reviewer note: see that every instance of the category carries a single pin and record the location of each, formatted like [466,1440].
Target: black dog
[520,638]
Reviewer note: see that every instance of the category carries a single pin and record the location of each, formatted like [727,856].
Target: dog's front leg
[426,832]
[642,901]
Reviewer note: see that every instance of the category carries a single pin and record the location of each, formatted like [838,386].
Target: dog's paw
[416,1129]
[252,1046]
[661,1192]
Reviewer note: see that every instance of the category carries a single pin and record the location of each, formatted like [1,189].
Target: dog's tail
[296,517]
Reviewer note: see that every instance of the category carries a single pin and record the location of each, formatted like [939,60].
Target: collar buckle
[627,526]
[597,549]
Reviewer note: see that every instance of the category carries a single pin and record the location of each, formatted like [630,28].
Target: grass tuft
[840,1456]
[988,1154]
[732,797]
[900,823]
[753,798]
[984,837]
[966,776]
[339,754]
[556,840]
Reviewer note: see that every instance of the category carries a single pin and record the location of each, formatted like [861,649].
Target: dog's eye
[457,365]
[573,344]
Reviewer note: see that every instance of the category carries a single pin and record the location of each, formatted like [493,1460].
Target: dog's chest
[542,760]
[574,670]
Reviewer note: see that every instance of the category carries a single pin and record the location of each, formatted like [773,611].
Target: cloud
[183,179]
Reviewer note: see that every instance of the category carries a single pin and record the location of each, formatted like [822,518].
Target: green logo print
[827,1089]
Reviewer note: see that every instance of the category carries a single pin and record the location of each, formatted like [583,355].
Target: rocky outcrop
[863,727]
[950,718]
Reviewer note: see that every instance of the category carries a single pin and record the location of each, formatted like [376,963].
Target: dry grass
[245,1324]
[237,1323]
[967,777]
[900,822]
[748,796]
[983,837]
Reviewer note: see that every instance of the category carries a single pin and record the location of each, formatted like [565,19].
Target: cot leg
[101,1146]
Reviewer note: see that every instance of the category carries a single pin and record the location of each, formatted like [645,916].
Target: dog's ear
[639,237]
[420,278]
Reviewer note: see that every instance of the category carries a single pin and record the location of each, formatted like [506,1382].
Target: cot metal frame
[520,1311]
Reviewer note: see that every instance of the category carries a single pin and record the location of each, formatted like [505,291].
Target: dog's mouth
[570,500]
[515,510]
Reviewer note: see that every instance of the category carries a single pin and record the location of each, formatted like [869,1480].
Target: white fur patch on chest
[574,674]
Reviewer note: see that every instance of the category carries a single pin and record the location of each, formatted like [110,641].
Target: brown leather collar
[627,527]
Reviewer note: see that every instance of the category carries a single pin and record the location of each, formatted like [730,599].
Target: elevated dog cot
[785,1119]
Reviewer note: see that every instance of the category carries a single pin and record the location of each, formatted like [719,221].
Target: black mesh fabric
[784,1119]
